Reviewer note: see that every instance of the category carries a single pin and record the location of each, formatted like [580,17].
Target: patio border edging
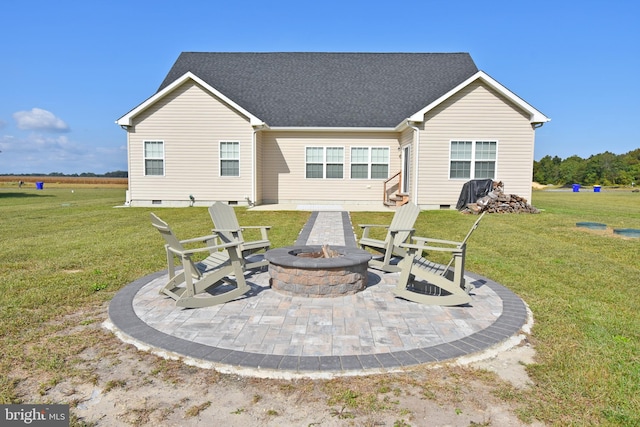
[125,321]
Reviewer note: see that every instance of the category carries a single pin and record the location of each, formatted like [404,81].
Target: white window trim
[324,161]
[370,163]
[145,158]
[473,157]
[220,159]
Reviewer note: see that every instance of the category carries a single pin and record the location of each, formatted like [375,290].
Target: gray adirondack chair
[226,226]
[437,285]
[195,284]
[399,231]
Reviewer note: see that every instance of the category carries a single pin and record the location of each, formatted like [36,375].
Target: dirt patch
[117,385]
[537,186]
[607,232]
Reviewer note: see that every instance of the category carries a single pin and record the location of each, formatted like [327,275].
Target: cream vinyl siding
[475,113]
[191,122]
[283,170]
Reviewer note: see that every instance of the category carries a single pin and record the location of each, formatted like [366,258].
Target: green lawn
[61,251]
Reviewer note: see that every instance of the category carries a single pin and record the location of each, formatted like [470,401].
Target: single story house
[326,128]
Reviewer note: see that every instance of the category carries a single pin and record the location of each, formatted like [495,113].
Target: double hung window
[154,158]
[229,158]
[473,159]
[324,162]
[369,162]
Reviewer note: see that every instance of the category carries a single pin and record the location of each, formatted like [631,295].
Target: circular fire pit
[304,271]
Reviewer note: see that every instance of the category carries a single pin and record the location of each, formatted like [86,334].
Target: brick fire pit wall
[305,276]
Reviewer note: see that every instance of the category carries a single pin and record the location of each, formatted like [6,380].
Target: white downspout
[127,201]
[252,201]
[416,140]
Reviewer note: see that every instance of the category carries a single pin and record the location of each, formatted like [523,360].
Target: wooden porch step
[397,199]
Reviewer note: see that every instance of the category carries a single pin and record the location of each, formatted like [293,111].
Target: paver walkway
[276,335]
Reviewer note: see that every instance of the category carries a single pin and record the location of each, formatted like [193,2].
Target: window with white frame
[154,158]
[369,162]
[473,159]
[379,163]
[324,162]
[229,158]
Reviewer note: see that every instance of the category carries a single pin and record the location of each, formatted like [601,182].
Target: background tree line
[600,169]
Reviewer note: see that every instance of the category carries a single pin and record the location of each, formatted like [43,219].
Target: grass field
[64,251]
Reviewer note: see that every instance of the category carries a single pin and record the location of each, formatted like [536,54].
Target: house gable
[127,119]
[535,116]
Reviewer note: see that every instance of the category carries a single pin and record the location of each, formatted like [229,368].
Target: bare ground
[114,384]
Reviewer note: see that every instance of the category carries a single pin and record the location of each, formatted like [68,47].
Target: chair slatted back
[404,218]
[224,218]
[172,242]
[166,232]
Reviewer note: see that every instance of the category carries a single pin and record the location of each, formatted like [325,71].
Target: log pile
[496,201]
[324,252]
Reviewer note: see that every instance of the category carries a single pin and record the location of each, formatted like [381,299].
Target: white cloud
[40,143]
[39,119]
[40,153]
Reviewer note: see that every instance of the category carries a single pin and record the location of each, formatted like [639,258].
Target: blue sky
[69,69]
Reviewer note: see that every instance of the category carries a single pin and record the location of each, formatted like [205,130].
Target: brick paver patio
[273,334]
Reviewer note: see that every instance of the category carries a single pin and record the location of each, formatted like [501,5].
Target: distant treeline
[600,169]
[115,174]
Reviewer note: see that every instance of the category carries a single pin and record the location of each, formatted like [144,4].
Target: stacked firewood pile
[496,201]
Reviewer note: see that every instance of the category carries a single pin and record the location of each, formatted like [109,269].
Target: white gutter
[254,161]
[128,194]
[333,129]
[416,139]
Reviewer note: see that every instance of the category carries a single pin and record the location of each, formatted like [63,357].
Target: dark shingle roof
[328,89]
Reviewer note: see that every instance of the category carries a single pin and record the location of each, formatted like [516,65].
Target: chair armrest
[203,249]
[367,227]
[200,239]
[399,230]
[226,230]
[425,240]
[395,232]
[263,230]
[416,248]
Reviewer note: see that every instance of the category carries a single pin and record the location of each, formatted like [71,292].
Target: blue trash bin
[39,185]
[576,188]
[596,188]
